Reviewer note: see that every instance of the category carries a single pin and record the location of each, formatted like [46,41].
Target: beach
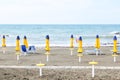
[59,39]
[59,56]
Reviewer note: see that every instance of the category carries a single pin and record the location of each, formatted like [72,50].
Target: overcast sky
[59,11]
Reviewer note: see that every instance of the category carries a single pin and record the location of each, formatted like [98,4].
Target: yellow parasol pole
[71,44]
[18,48]
[80,49]
[115,44]
[3,44]
[25,41]
[47,48]
[114,48]
[97,45]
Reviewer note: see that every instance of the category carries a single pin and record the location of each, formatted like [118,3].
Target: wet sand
[59,56]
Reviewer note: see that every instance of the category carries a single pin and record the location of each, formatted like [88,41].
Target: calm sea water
[59,34]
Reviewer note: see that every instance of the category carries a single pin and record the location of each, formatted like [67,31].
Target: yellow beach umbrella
[3,41]
[47,47]
[115,44]
[71,42]
[25,42]
[80,49]
[17,44]
[97,45]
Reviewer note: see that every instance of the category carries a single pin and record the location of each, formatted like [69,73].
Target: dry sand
[59,57]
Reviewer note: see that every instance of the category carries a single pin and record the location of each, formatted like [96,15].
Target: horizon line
[59,24]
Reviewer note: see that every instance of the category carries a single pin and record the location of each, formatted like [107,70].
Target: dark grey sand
[60,74]
[59,57]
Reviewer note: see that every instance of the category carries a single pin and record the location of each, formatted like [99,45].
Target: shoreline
[63,46]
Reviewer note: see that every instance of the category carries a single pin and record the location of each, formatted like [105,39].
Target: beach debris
[40,65]
[3,44]
[47,48]
[93,63]
[71,44]
[97,45]
[80,56]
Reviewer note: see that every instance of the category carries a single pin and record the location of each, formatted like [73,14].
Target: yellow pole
[97,44]
[115,44]
[80,49]
[17,44]
[25,42]
[71,44]
[47,47]
[3,44]
[3,41]
[18,48]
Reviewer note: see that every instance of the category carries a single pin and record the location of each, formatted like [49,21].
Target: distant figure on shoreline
[77,37]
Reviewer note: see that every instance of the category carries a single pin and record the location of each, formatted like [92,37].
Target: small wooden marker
[71,49]
[79,55]
[93,63]
[40,68]
[114,57]
[47,56]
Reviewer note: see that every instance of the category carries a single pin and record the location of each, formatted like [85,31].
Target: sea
[60,34]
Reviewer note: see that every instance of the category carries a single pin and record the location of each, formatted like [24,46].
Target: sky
[59,11]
